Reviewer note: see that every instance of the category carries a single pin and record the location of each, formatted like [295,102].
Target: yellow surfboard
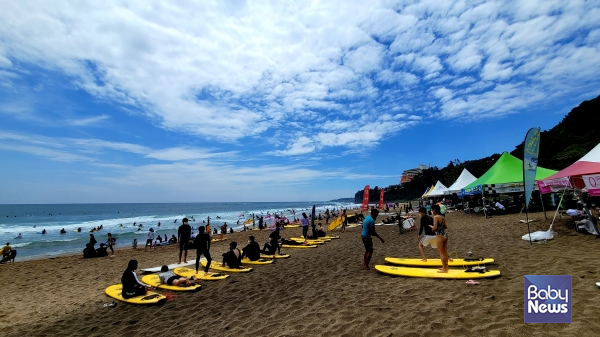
[114,291]
[154,281]
[433,273]
[278,256]
[335,223]
[189,272]
[217,266]
[327,238]
[321,238]
[259,261]
[299,246]
[438,262]
[217,240]
[309,241]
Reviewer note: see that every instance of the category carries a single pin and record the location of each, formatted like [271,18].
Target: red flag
[365,204]
[381,198]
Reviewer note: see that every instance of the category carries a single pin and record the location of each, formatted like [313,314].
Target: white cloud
[229,72]
[443,94]
[87,121]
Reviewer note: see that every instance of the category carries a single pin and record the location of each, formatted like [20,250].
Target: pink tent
[583,173]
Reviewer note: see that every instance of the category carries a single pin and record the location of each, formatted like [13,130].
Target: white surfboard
[171,266]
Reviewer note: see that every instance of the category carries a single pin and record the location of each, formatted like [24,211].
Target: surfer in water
[367,232]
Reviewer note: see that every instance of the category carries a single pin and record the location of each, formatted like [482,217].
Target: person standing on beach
[150,240]
[183,237]
[223,230]
[260,223]
[368,231]
[110,244]
[344,221]
[429,235]
[202,243]
[441,236]
[304,221]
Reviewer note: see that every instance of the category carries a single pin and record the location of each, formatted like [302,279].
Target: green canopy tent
[505,176]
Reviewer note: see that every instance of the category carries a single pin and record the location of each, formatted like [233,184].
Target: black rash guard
[426,221]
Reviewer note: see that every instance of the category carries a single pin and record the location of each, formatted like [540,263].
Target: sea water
[119,219]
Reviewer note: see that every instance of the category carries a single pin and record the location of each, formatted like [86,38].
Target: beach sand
[317,292]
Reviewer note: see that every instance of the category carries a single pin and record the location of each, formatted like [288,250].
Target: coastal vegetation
[560,147]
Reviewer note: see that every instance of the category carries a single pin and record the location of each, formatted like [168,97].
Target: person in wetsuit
[202,243]
[132,287]
[93,241]
[233,258]
[183,237]
[252,250]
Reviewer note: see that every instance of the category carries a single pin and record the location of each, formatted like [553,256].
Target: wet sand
[319,292]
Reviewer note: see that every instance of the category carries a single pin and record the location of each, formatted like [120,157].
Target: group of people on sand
[433,231]
[90,250]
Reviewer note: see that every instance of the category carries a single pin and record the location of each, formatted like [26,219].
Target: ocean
[119,219]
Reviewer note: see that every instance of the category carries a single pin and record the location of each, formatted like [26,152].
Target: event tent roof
[437,190]
[588,164]
[463,180]
[508,169]
[429,190]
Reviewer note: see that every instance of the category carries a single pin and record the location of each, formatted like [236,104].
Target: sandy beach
[320,291]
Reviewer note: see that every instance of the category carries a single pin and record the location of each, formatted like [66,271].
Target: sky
[200,101]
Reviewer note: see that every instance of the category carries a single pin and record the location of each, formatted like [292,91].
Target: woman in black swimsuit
[441,237]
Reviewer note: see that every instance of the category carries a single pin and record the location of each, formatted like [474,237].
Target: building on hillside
[408,175]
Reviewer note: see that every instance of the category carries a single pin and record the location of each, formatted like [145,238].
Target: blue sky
[145,101]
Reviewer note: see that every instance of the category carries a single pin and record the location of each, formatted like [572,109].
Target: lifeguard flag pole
[531,149]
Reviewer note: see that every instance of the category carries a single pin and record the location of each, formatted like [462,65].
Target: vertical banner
[531,148]
[365,203]
[530,161]
[381,197]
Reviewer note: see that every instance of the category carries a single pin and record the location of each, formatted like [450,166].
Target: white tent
[463,180]
[437,190]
